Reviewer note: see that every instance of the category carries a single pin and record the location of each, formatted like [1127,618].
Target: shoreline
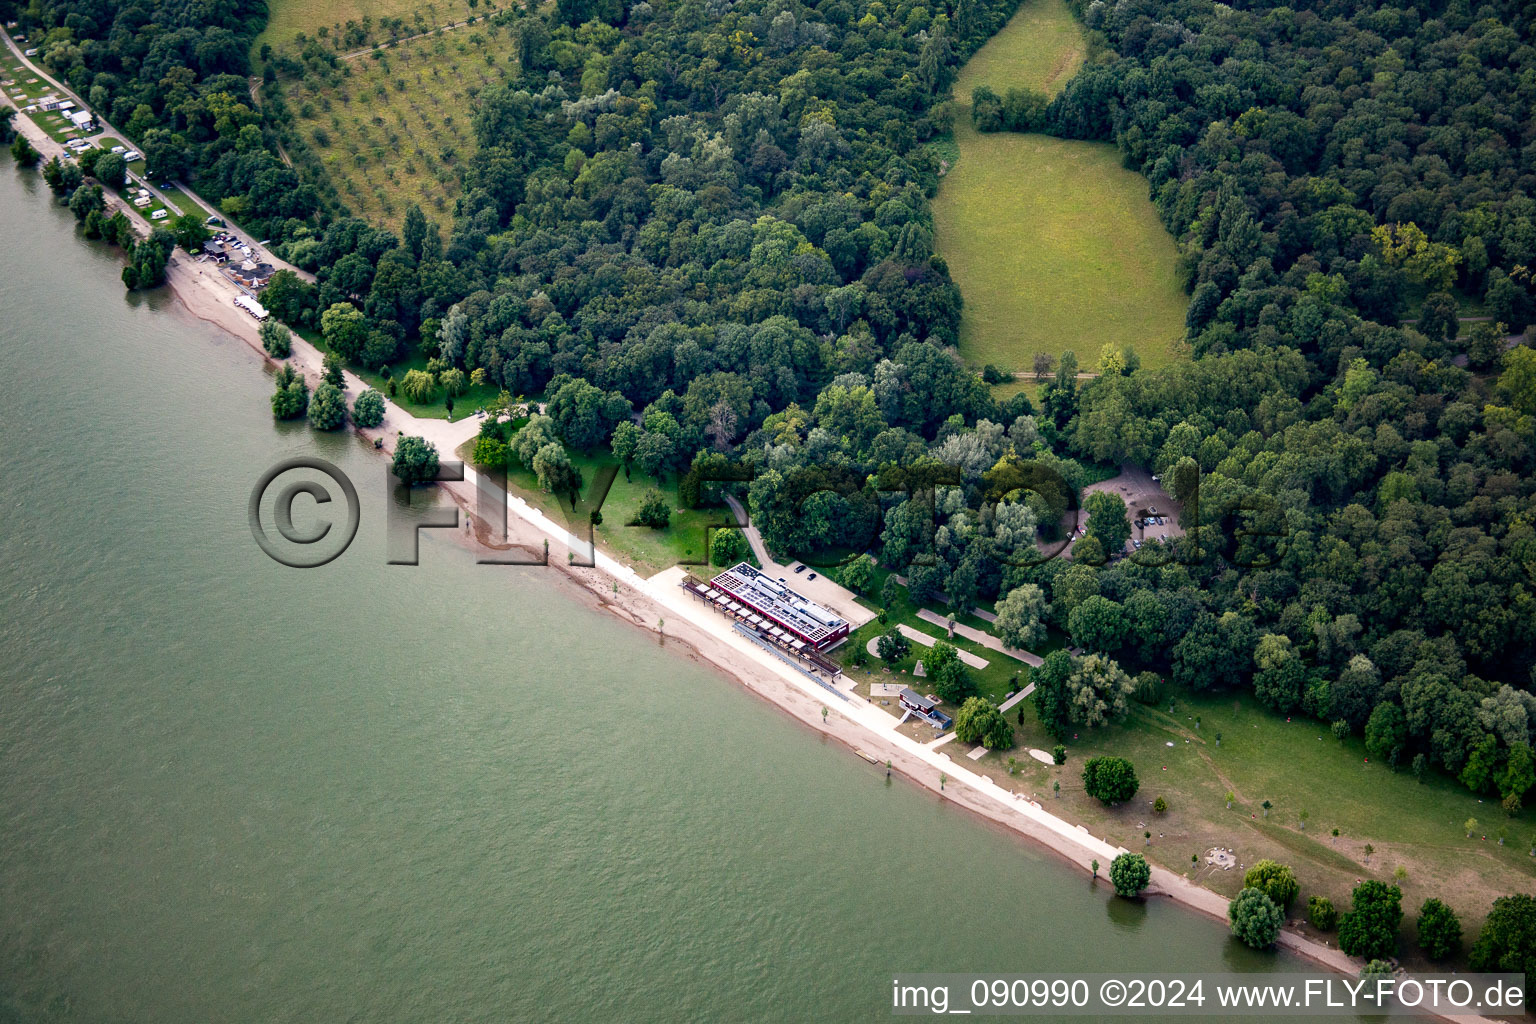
[615,588]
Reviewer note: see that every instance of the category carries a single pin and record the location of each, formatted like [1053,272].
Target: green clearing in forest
[1054,244]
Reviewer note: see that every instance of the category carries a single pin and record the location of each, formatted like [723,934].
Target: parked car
[811,576]
[1140,523]
[799,568]
[1152,510]
[1136,544]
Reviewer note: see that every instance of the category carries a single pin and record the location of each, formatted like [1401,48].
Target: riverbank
[659,606]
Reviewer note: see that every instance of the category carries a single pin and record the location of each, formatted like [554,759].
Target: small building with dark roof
[924,707]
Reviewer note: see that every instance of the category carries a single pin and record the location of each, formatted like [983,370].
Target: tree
[857,574]
[727,547]
[1321,915]
[1438,317]
[892,647]
[415,460]
[655,510]
[626,436]
[1280,672]
[1485,344]
[368,409]
[951,681]
[332,372]
[111,170]
[345,330]
[418,386]
[1518,776]
[1439,930]
[1274,880]
[1110,780]
[454,382]
[1255,918]
[291,399]
[1130,874]
[1098,691]
[1098,625]
[23,152]
[275,339]
[979,721]
[191,234]
[327,407]
[1107,520]
[1021,617]
[1508,939]
[1386,731]
[557,474]
[1369,928]
[1050,696]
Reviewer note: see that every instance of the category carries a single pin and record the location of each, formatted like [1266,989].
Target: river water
[232,791]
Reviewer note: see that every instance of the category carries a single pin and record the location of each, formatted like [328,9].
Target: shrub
[655,510]
[1111,780]
[1130,874]
[1149,688]
[892,647]
[1160,805]
[1321,915]
[1274,880]
[1059,754]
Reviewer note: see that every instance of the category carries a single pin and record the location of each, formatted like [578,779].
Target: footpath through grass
[1054,244]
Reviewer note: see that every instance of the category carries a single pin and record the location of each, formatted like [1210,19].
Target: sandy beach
[662,608]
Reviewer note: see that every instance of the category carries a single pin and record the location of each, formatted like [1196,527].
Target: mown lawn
[1001,676]
[435,407]
[648,550]
[1054,244]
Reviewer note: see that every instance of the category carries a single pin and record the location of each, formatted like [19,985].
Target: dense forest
[702,229]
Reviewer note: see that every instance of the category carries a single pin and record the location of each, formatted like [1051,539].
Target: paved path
[1011,701]
[986,640]
[918,636]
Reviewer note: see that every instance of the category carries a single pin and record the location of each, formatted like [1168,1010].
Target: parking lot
[1143,497]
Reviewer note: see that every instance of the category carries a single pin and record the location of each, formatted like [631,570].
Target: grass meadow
[1298,766]
[1054,244]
